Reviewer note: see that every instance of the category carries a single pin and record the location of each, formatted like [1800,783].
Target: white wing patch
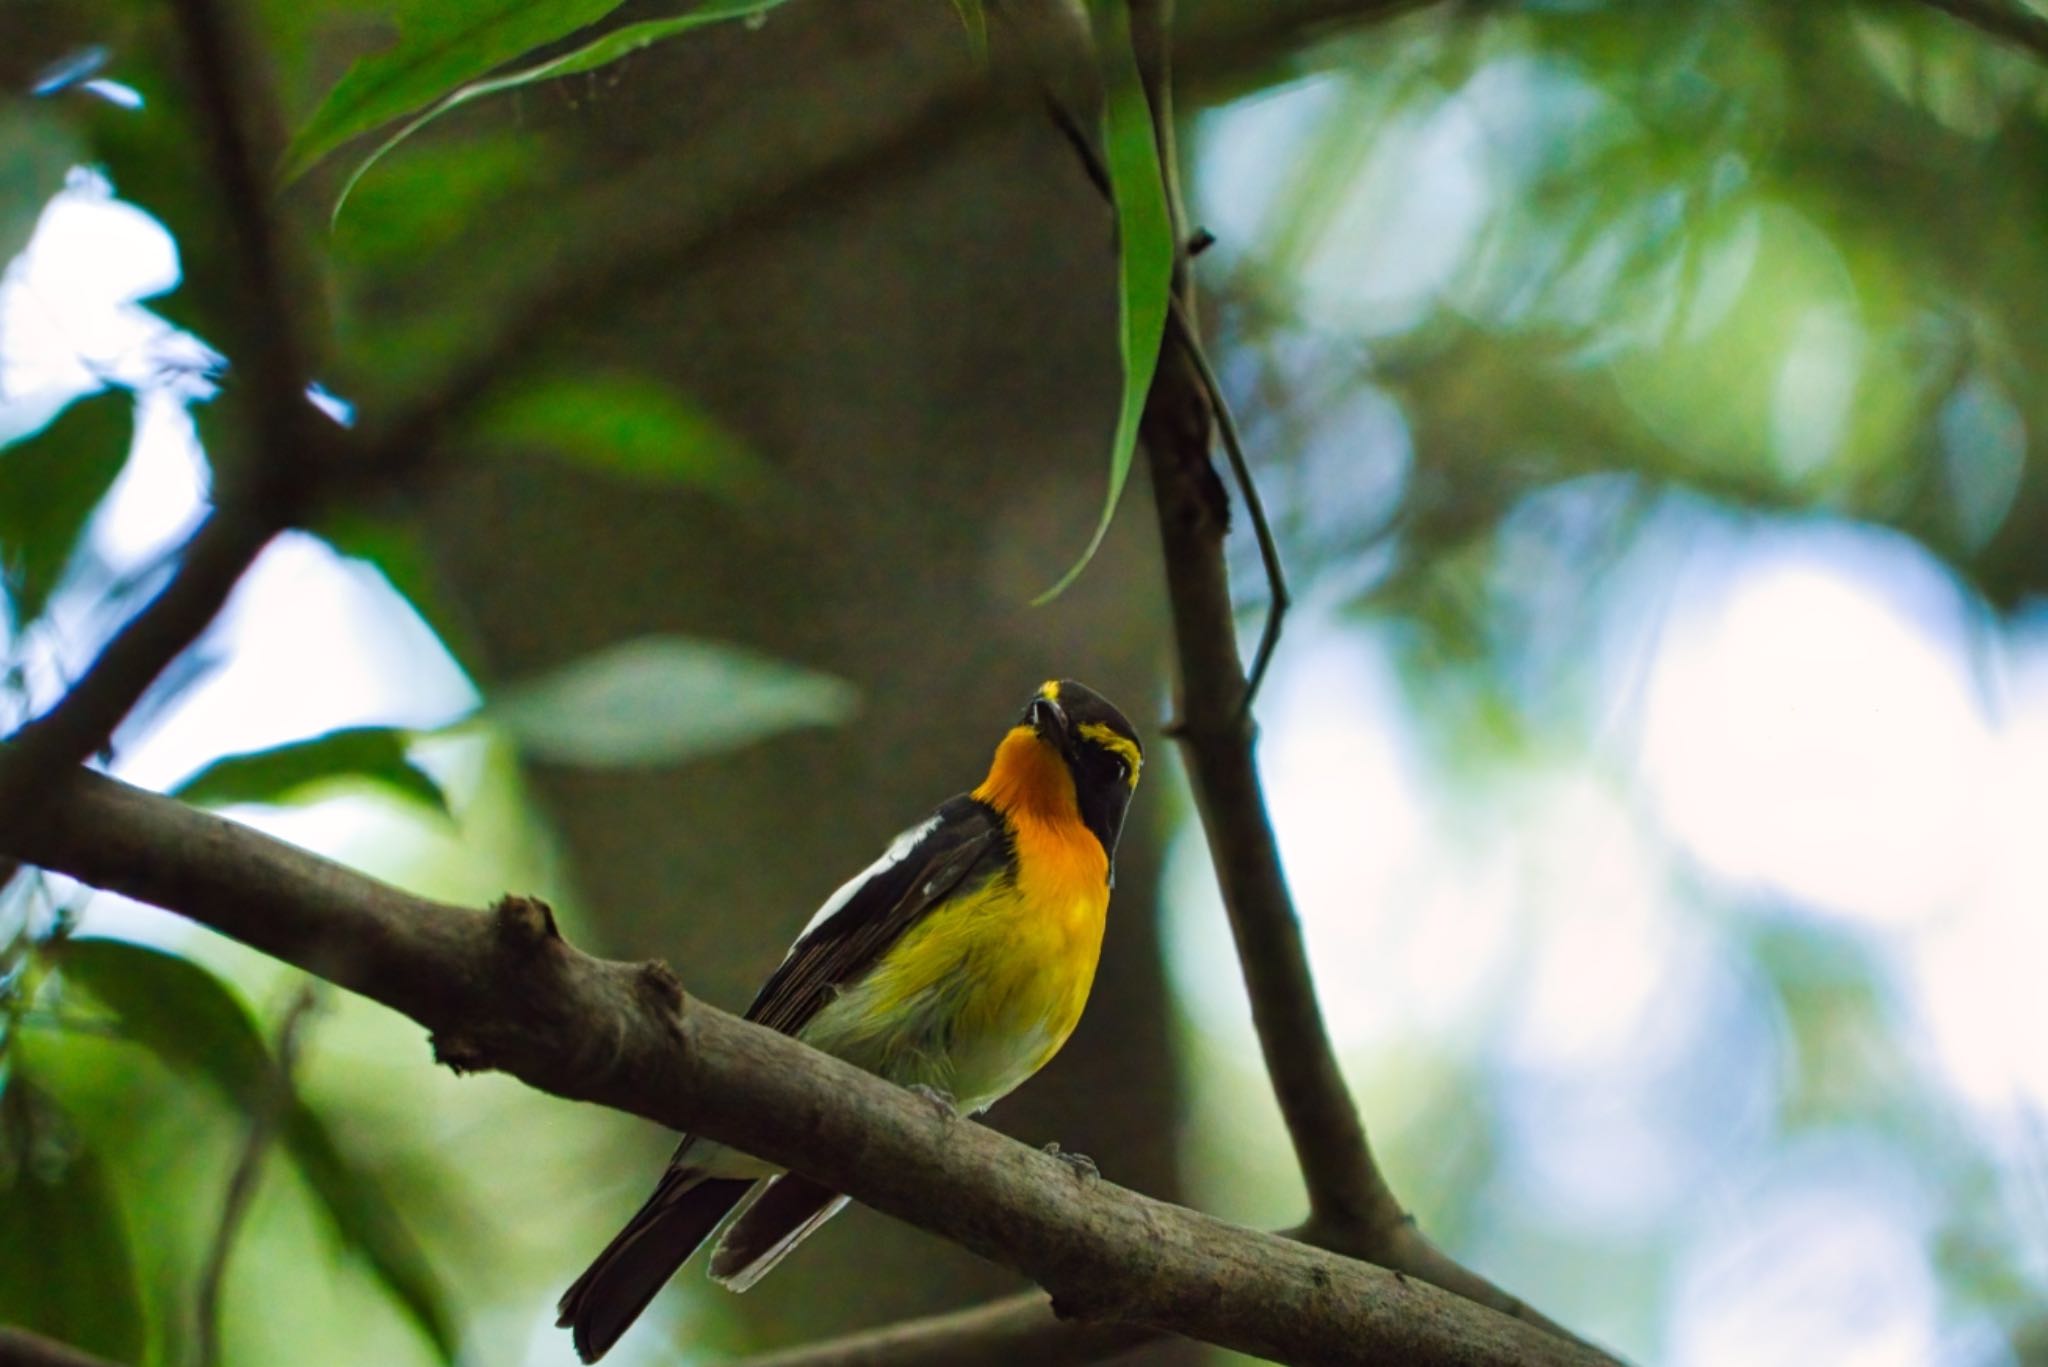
[899,850]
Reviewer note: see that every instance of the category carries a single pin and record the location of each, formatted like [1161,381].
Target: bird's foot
[942,1102]
[1083,1166]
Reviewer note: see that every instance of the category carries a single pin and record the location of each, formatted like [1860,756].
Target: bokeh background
[1645,397]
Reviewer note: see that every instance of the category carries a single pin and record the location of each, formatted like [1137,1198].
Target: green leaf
[599,52]
[36,152]
[1145,254]
[975,20]
[49,485]
[373,754]
[367,1221]
[441,44]
[662,699]
[624,425]
[66,1268]
[195,1024]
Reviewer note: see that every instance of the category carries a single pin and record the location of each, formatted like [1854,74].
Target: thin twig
[266,1112]
[1183,330]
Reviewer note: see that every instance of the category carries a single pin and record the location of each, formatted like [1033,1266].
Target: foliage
[375,754]
[190,1019]
[1515,300]
[657,700]
[70,1274]
[1146,251]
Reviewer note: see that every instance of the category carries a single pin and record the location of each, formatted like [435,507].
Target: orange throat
[1029,781]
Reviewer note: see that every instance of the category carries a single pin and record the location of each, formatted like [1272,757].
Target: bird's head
[1071,753]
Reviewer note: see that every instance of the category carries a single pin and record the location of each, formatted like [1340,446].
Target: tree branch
[1351,1205]
[504,991]
[1345,1189]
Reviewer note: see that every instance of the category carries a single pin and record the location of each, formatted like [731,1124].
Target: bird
[956,965]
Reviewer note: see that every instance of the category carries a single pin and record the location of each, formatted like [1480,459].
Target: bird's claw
[1083,1166]
[942,1102]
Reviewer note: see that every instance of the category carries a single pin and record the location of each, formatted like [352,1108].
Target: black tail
[608,1297]
[785,1214]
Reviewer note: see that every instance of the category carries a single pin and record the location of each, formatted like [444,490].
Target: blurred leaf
[195,1024]
[368,1222]
[441,44]
[625,425]
[49,485]
[430,200]
[662,699]
[1145,253]
[36,153]
[375,754]
[599,52]
[66,1269]
[975,20]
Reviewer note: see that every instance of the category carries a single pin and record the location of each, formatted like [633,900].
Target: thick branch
[504,991]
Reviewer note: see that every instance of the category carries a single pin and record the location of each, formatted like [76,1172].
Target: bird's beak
[1049,720]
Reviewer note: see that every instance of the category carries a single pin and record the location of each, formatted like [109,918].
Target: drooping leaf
[37,151]
[195,1024]
[1145,252]
[372,754]
[662,699]
[599,52]
[49,485]
[974,19]
[66,1268]
[441,44]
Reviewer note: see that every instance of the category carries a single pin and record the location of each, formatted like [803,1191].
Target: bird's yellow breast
[982,992]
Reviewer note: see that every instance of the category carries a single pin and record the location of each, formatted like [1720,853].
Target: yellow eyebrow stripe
[1102,735]
[1050,690]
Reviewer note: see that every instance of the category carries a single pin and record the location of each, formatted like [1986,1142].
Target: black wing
[963,839]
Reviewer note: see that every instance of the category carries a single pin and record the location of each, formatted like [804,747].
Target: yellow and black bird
[957,964]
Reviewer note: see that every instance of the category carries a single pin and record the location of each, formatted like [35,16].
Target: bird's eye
[1123,768]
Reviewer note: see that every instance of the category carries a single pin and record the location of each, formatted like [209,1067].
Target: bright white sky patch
[1824,1260]
[1812,727]
[315,642]
[69,323]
